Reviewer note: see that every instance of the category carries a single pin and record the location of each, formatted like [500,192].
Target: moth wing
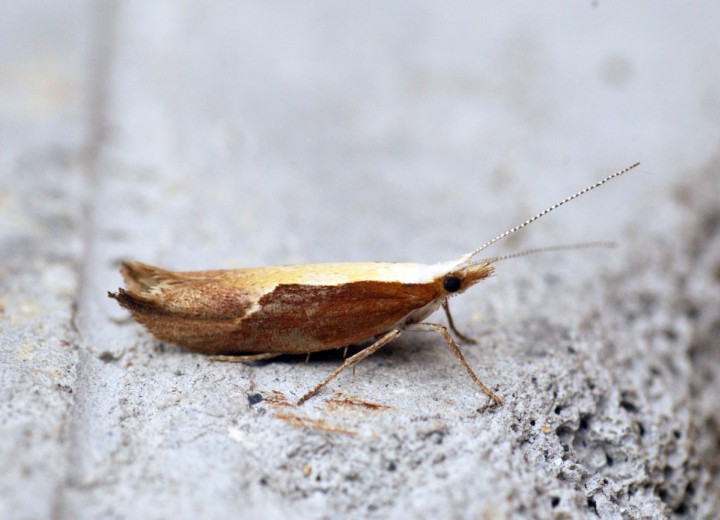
[303,318]
[195,310]
[280,309]
[201,294]
[141,277]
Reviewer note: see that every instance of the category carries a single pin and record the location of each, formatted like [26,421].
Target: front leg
[451,323]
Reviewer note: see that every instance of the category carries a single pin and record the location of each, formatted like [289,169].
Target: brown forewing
[296,318]
[203,314]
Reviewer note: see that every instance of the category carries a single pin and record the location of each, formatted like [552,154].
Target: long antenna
[549,249]
[546,211]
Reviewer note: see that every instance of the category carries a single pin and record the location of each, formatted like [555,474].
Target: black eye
[452,283]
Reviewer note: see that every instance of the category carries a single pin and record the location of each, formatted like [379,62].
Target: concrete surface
[213,135]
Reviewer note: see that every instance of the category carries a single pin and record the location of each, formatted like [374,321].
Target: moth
[263,312]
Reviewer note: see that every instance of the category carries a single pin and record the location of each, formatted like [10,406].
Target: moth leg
[244,359]
[351,361]
[459,334]
[345,357]
[434,327]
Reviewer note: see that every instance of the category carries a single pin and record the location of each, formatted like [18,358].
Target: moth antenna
[528,252]
[544,212]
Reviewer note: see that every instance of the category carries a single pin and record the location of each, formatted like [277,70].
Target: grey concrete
[213,135]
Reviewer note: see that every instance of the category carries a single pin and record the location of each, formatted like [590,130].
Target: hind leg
[243,358]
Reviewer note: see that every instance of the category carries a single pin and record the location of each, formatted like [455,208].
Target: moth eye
[452,283]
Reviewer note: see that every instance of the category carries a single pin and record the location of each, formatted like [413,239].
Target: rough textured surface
[202,135]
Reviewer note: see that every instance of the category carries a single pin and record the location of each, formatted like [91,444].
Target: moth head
[459,279]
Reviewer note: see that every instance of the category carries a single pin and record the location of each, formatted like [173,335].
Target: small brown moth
[263,312]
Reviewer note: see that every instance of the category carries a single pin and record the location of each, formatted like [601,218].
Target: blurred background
[327,119]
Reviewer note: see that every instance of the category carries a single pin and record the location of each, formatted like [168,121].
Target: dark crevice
[592,505]
[99,49]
